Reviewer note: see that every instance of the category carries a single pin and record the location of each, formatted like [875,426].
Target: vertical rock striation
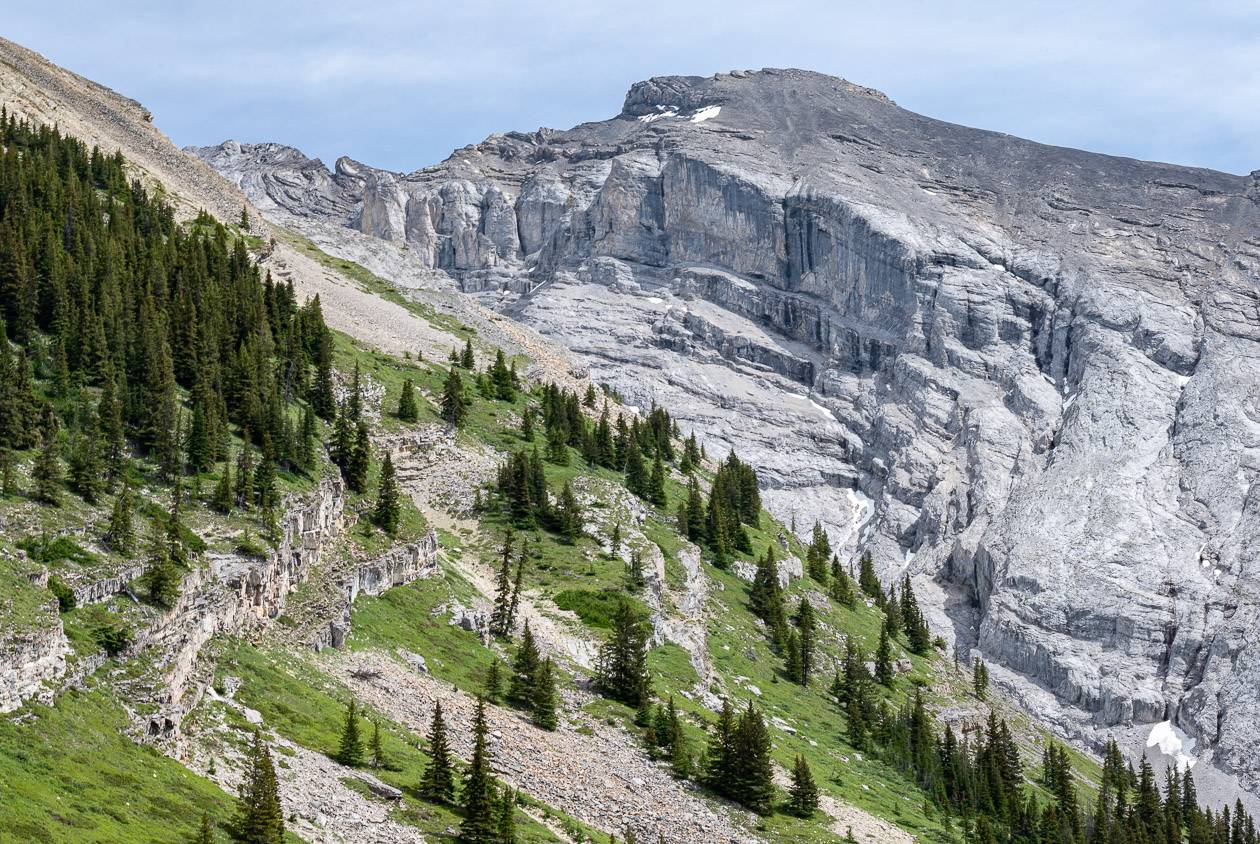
[1026,375]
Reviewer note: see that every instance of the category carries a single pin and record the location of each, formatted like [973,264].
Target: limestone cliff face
[33,653]
[1026,375]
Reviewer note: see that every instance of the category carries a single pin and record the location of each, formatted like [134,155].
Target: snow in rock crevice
[1173,743]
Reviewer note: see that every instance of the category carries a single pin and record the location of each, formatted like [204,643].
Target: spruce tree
[806,624]
[46,472]
[261,820]
[507,817]
[161,577]
[466,360]
[979,678]
[621,671]
[719,768]
[818,553]
[222,499]
[454,402]
[350,750]
[494,681]
[500,618]
[543,698]
[8,474]
[636,474]
[842,589]
[407,409]
[527,425]
[360,459]
[754,776]
[86,474]
[438,782]
[679,755]
[568,515]
[525,668]
[637,580]
[120,534]
[477,799]
[803,794]
[656,482]
[378,752]
[867,579]
[388,511]
[883,659]
[205,833]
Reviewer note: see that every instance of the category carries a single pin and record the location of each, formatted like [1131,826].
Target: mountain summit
[1023,374]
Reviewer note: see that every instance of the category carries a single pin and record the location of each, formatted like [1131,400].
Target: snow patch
[661,112]
[1173,742]
[705,113]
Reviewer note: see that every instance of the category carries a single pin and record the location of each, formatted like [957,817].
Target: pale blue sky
[402,84]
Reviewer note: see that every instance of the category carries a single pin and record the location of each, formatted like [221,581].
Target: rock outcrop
[1025,375]
[33,651]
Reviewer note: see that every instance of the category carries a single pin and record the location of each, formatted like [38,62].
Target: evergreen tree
[621,671]
[161,578]
[803,794]
[378,752]
[656,482]
[543,699]
[637,580]
[636,474]
[979,678]
[454,402]
[8,475]
[261,820]
[867,579]
[679,756]
[842,590]
[407,409]
[883,659]
[466,360]
[479,824]
[120,534]
[205,833]
[527,425]
[350,750]
[817,554]
[525,668]
[85,466]
[719,768]
[806,624]
[438,783]
[507,817]
[46,472]
[388,511]
[360,459]
[753,784]
[502,379]
[568,515]
[222,498]
[501,622]
[494,681]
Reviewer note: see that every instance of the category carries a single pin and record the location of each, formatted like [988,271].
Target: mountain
[1023,374]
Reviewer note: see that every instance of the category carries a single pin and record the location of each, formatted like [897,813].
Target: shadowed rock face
[1026,375]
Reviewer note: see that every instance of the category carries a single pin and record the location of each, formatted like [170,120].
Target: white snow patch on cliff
[706,113]
[1174,743]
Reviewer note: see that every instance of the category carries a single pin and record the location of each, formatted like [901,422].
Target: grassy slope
[302,704]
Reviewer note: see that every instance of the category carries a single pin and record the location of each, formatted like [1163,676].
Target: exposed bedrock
[1026,375]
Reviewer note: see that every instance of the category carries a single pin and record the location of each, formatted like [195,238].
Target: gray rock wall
[1038,365]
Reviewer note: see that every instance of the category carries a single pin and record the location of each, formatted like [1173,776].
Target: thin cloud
[401,84]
